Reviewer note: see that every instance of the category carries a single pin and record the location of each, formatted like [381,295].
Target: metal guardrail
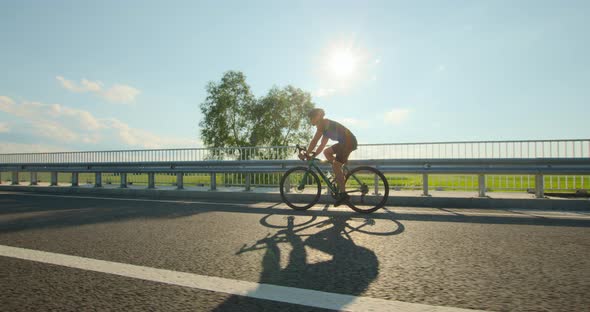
[566,166]
[579,148]
[425,167]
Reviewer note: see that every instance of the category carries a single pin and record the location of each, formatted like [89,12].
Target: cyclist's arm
[322,145]
[314,141]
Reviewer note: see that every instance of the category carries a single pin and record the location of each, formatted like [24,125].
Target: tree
[281,117]
[227,112]
[233,117]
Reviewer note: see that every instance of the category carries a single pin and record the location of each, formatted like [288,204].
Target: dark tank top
[337,132]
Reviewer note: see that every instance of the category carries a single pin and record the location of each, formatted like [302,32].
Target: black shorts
[343,149]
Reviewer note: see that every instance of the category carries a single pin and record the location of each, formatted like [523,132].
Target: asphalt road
[499,260]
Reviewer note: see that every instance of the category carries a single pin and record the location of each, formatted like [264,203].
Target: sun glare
[343,63]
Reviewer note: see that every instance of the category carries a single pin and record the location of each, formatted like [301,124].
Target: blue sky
[102,75]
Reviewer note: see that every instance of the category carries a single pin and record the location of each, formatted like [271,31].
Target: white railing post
[539,186]
[123,176]
[287,185]
[75,179]
[248,182]
[151,180]
[53,179]
[213,181]
[376,185]
[179,180]
[482,185]
[98,179]
[34,178]
[424,184]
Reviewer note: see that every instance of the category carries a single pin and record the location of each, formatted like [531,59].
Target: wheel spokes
[367,188]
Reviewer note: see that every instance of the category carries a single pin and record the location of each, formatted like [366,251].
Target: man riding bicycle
[336,154]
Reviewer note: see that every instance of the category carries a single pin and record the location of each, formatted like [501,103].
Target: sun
[342,64]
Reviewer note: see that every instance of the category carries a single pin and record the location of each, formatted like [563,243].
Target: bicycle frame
[312,164]
[358,184]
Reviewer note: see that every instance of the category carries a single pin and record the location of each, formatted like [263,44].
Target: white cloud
[442,67]
[4,128]
[6,103]
[91,86]
[84,86]
[397,116]
[11,147]
[116,94]
[84,118]
[68,84]
[40,113]
[62,124]
[120,94]
[52,130]
[134,137]
[25,109]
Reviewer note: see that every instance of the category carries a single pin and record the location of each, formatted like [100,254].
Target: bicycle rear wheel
[300,188]
[368,189]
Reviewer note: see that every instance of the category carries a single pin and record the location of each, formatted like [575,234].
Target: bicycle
[358,181]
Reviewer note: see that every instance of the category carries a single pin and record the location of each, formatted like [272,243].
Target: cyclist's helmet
[314,112]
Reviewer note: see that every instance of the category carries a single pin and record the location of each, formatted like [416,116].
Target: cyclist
[336,154]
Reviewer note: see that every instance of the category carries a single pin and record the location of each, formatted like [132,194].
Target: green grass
[502,183]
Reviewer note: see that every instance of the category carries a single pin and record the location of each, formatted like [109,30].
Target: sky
[112,75]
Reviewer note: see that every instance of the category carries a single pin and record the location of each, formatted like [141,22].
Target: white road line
[512,214]
[291,295]
[523,215]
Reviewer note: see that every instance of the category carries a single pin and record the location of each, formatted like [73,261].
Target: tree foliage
[281,117]
[234,117]
[227,112]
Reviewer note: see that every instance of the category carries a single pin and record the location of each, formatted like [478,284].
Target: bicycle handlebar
[302,153]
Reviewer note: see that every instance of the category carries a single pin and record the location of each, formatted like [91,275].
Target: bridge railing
[427,150]
[537,167]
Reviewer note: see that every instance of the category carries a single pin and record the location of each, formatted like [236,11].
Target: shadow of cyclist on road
[350,271]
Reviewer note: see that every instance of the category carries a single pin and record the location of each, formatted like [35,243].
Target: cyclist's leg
[342,157]
[329,153]
[337,163]
[337,167]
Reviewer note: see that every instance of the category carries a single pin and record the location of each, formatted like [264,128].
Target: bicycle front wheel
[300,188]
[368,189]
